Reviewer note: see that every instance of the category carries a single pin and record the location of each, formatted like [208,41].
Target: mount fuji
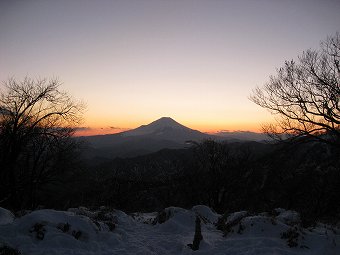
[166,128]
[160,134]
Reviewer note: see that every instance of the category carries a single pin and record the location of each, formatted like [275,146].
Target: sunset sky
[133,62]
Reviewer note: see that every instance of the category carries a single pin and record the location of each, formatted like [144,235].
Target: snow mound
[6,216]
[175,220]
[84,231]
[236,216]
[52,222]
[288,217]
[206,213]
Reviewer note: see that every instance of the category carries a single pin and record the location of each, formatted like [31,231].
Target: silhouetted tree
[36,121]
[212,164]
[305,95]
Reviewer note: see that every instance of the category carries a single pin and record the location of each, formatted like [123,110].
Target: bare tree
[36,117]
[304,95]
[212,169]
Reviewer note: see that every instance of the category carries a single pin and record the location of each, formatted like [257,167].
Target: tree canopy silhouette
[304,95]
[36,120]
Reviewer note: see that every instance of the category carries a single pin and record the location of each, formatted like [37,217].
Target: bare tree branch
[305,95]
[35,118]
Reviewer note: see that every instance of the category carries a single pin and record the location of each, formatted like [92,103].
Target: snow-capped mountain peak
[158,127]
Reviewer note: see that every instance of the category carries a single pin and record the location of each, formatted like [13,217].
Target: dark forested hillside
[225,176]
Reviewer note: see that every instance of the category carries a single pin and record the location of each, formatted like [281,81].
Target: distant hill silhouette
[242,135]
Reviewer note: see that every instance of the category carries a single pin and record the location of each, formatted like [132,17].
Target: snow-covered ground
[104,231]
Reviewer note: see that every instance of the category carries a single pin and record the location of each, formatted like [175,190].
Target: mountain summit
[158,127]
[159,134]
[165,121]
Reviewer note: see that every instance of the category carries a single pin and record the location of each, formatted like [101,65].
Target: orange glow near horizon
[97,131]
[205,127]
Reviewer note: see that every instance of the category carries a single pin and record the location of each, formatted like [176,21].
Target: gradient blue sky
[135,61]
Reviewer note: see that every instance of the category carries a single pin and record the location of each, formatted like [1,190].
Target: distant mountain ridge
[164,133]
[242,135]
[160,134]
[168,129]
